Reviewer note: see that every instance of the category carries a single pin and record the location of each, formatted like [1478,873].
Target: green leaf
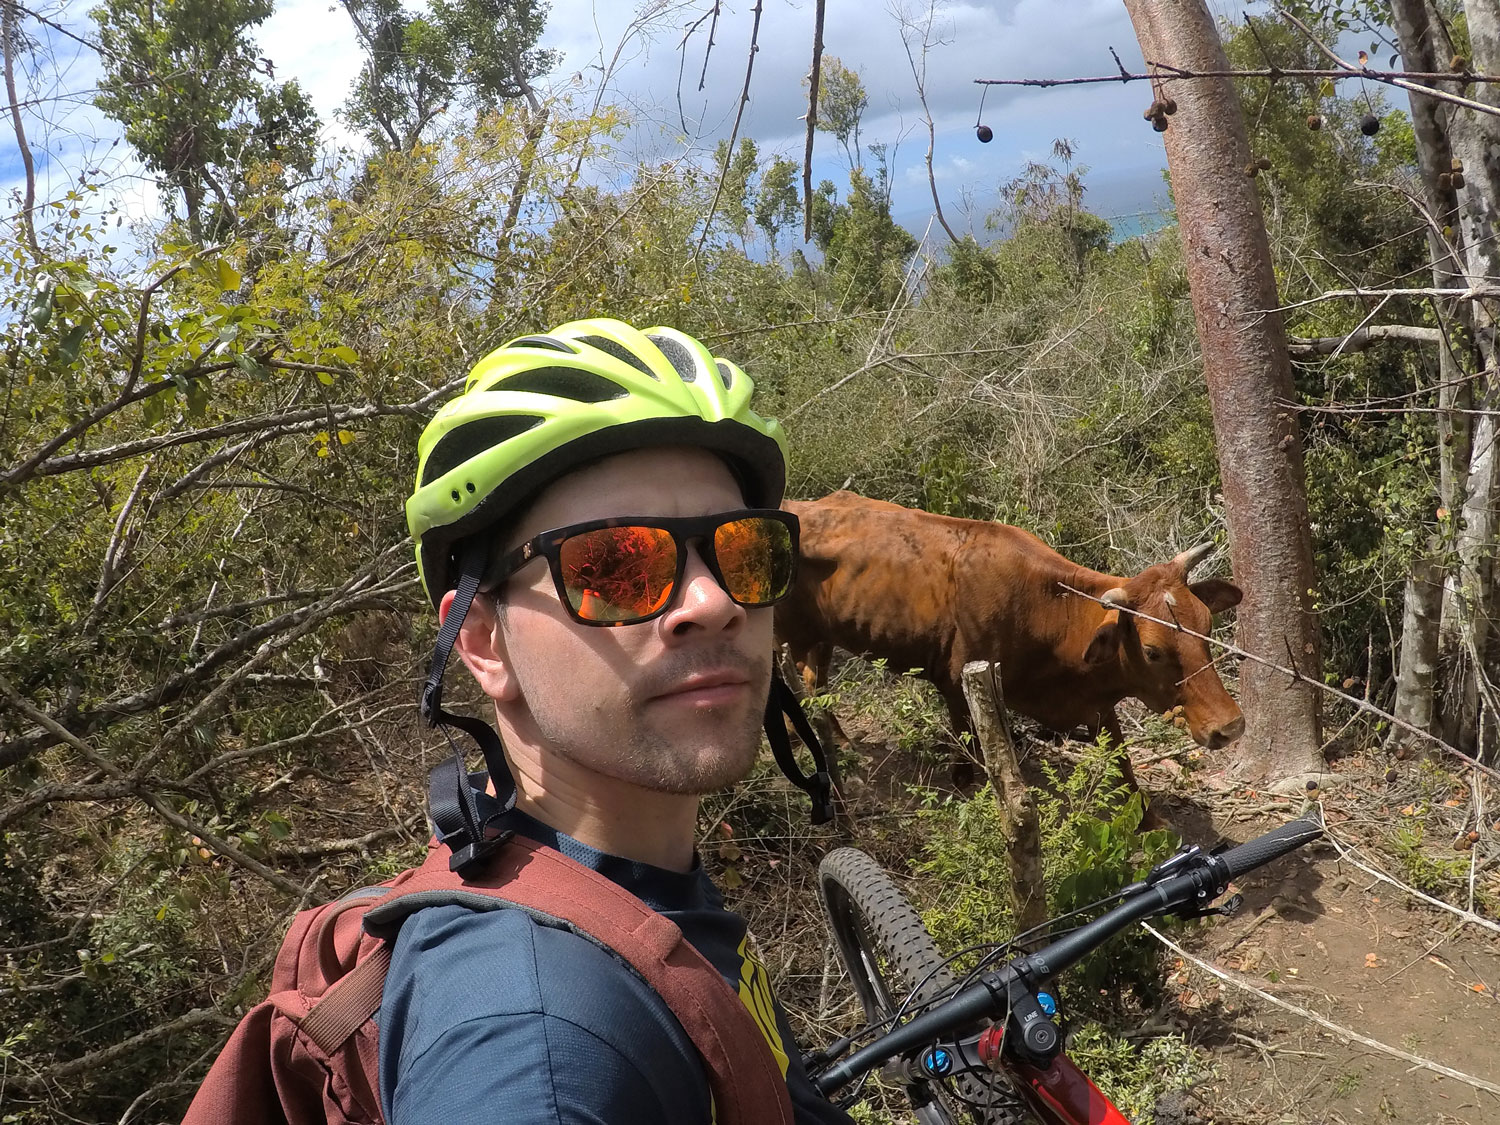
[41,304]
[72,340]
[345,354]
[229,277]
[248,365]
[326,378]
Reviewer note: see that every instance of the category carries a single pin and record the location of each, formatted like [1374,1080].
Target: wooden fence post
[1018,815]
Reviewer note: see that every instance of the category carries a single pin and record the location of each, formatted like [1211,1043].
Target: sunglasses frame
[684,530]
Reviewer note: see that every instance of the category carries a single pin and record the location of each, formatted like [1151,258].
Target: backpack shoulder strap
[747,1086]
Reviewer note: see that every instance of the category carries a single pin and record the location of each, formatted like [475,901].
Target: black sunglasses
[626,570]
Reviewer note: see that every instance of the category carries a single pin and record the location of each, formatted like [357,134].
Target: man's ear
[481,646]
[1106,640]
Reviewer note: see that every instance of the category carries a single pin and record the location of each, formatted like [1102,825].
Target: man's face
[674,704]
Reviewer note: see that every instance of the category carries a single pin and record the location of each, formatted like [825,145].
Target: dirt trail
[1324,935]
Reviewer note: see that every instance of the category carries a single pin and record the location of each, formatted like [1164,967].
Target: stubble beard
[709,750]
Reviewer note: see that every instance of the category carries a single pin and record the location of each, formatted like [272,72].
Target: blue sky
[312,41]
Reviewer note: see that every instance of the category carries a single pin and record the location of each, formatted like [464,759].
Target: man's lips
[706,688]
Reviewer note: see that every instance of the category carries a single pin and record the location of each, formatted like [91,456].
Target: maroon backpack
[308,1054]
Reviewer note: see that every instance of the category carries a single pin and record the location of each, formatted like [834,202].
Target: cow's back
[877,578]
[922,590]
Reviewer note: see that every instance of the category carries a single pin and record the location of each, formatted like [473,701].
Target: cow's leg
[1151,819]
[814,667]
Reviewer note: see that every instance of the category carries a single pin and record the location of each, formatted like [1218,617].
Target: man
[597,522]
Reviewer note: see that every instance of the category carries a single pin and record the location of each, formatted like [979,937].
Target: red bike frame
[1063,1095]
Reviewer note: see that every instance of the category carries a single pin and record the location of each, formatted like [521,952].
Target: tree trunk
[1423,619]
[1476,141]
[1470,468]
[1228,261]
[1416,678]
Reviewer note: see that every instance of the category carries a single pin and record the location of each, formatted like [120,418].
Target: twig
[1359,339]
[1395,78]
[1469,293]
[1425,953]
[1347,853]
[1169,73]
[1323,1021]
[739,113]
[99,1060]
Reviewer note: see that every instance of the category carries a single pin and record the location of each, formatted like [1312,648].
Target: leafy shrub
[1091,846]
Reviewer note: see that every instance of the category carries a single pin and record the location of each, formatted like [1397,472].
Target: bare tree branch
[812,120]
[1401,81]
[1304,347]
[708,220]
[9,42]
[94,1060]
[909,30]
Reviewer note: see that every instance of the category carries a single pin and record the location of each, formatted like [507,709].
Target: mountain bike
[985,1046]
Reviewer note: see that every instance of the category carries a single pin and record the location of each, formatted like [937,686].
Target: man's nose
[701,603]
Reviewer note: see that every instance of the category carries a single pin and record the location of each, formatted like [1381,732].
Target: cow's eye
[1154,654]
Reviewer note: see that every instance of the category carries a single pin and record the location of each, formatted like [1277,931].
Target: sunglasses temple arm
[784,704]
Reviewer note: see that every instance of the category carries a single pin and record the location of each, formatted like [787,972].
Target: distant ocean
[1125,227]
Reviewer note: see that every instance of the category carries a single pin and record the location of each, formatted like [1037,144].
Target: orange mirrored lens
[755,558]
[618,573]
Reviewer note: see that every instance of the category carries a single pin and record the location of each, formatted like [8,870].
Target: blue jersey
[493,1017]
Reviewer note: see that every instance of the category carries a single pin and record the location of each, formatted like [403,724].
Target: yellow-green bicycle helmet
[543,405]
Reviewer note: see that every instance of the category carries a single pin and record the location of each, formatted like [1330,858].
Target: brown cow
[931,592]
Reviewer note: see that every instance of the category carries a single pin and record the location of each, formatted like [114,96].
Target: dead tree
[1228,262]
[1460,189]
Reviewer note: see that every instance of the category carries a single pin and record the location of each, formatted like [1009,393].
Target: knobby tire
[887,951]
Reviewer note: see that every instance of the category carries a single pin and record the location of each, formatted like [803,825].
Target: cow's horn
[1114,598]
[1193,556]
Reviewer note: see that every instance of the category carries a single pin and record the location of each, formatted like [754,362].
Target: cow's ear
[1217,594]
[1106,641]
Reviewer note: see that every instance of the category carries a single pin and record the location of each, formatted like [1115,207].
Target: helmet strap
[450,792]
[783,704]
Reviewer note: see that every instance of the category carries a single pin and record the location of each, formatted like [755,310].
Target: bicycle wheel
[888,952]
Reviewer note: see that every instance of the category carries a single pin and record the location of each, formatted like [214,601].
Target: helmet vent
[463,444]
[726,376]
[551,343]
[678,356]
[563,382]
[619,351]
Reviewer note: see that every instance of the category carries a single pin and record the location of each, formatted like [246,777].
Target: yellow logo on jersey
[755,994]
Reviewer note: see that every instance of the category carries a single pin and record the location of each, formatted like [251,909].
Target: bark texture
[1245,361]
[1016,802]
[1464,223]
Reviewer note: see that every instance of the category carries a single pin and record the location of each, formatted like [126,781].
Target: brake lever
[1228,908]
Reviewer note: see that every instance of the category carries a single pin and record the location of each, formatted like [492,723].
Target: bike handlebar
[1196,879]
[1273,845]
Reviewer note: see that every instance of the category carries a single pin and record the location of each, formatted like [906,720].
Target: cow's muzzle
[1224,735]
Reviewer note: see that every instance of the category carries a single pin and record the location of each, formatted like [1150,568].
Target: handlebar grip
[1274,844]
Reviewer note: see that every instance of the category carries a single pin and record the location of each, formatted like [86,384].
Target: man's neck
[611,816]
